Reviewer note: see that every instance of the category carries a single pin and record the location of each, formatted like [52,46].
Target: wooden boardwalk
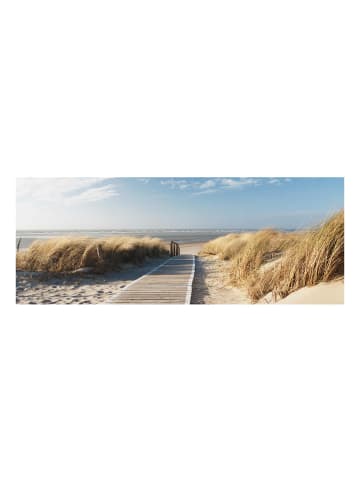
[168,283]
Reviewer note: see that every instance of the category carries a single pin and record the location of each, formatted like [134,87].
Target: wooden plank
[168,283]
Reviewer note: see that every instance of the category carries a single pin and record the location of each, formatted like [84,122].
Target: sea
[181,236]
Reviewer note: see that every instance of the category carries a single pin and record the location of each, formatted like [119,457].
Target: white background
[192,393]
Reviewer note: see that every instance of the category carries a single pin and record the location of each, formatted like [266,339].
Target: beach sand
[212,284]
[324,293]
[331,293]
[76,289]
[193,248]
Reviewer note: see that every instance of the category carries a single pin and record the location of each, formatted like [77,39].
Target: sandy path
[194,248]
[211,283]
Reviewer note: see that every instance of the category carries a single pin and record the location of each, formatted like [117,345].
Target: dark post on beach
[174,249]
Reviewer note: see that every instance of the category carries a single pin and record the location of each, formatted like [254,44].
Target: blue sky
[106,203]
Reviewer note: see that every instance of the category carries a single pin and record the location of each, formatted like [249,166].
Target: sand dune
[323,293]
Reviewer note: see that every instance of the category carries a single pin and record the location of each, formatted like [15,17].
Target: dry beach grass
[101,255]
[281,263]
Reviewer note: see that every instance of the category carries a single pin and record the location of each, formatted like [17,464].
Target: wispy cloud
[234,183]
[213,185]
[64,190]
[278,180]
[207,184]
[206,191]
[177,183]
[93,194]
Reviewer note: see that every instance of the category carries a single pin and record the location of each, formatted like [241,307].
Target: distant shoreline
[181,236]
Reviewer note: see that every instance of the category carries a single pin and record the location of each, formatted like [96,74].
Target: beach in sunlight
[239,243]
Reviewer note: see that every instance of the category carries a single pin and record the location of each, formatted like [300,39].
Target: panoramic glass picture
[227,240]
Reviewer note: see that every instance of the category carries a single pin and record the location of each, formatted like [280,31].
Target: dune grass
[317,256]
[262,247]
[249,250]
[226,247]
[104,254]
[279,262]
